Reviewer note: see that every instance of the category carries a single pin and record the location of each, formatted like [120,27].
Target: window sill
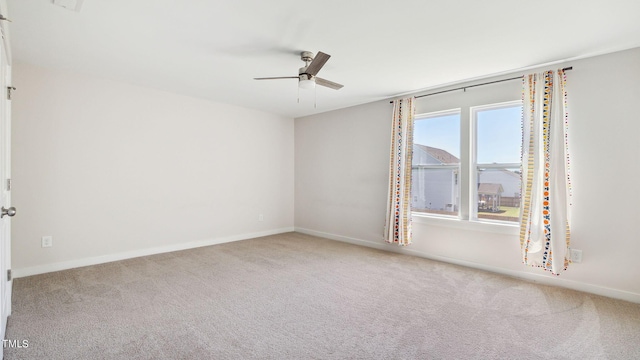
[472,225]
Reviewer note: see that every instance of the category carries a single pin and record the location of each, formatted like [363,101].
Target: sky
[499,134]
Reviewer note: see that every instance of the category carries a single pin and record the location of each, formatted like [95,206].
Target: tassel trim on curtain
[545,227]
[398,220]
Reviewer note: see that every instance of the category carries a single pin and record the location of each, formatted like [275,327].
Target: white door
[5,190]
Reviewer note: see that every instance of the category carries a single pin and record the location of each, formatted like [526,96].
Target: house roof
[490,189]
[511,173]
[443,156]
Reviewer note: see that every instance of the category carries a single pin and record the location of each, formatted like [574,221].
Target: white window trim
[495,227]
[434,114]
[438,113]
[467,215]
[473,165]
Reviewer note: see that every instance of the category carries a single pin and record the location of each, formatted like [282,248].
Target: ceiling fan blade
[277,77]
[329,84]
[317,63]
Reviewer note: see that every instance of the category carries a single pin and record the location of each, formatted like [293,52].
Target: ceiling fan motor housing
[306,56]
[303,75]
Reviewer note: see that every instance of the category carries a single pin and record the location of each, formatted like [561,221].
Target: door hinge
[9,275]
[9,90]
[8,184]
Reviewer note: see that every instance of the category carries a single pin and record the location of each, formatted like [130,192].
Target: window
[496,168]
[436,163]
[468,166]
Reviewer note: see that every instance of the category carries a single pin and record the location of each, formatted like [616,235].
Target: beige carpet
[294,296]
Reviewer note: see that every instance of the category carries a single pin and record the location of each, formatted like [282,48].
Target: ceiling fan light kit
[307,78]
[305,83]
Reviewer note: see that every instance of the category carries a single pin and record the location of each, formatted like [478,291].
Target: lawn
[506,213]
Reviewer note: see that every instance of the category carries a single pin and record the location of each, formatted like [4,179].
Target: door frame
[6,283]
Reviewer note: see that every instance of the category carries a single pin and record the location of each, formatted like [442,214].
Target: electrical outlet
[260,217]
[576,255]
[47,241]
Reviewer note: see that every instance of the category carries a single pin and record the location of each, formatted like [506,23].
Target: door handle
[9,212]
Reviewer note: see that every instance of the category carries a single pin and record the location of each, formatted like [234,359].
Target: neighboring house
[434,189]
[508,180]
[437,190]
[489,196]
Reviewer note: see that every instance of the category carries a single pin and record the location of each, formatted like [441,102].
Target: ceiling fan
[307,78]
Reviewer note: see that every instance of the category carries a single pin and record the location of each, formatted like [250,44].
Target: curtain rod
[486,83]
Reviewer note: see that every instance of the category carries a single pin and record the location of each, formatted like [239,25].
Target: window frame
[467,216]
[474,166]
[435,114]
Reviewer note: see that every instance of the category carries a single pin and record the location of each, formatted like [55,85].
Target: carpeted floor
[294,296]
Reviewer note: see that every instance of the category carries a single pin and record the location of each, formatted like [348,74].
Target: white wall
[112,170]
[341,170]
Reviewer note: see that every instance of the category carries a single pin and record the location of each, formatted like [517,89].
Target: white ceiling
[213,49]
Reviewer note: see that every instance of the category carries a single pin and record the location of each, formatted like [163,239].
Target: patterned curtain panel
[545,213]
[398,223]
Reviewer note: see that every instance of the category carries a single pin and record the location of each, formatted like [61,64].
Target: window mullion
[466,156]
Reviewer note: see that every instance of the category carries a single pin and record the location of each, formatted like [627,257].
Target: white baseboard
[64,265]
[538,278]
